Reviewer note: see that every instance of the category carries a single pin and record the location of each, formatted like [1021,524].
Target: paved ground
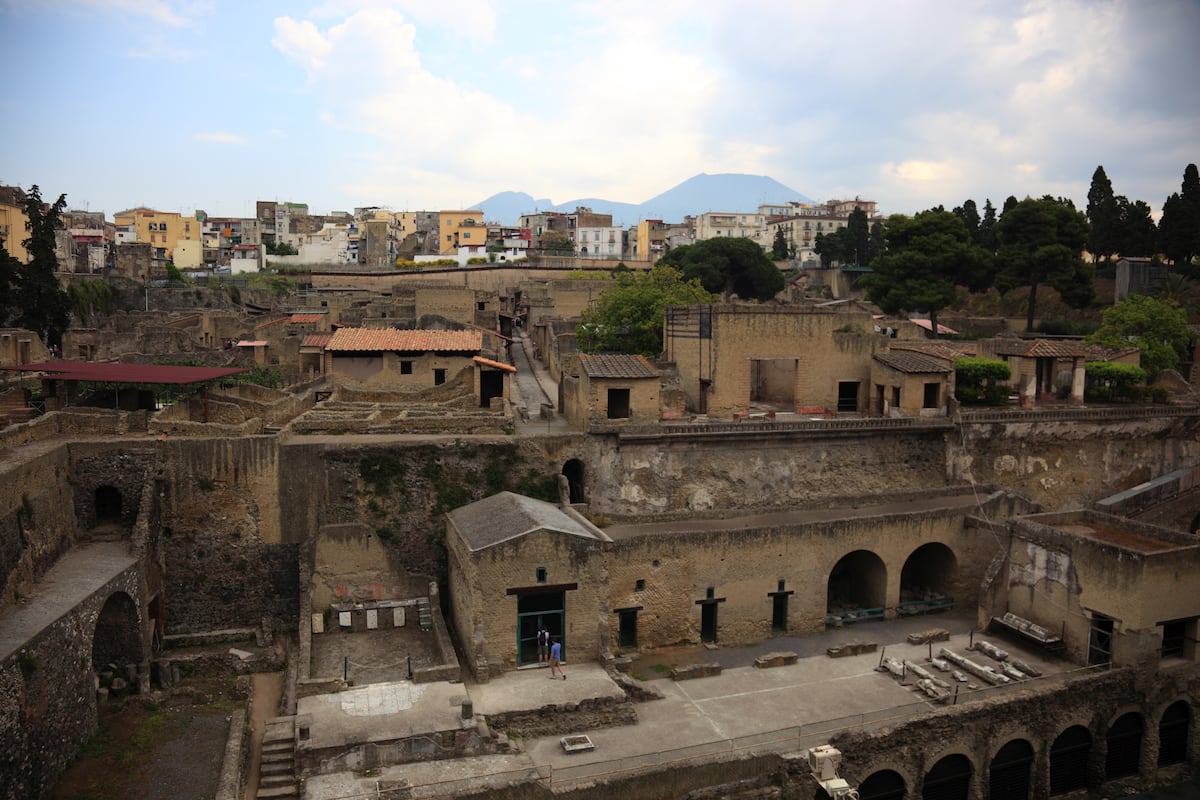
[373,656]
[744,708]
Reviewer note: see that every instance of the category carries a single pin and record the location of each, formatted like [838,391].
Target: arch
[573,470]
[950,779]
[885,784]
[858,580]
[929,572]
[1124,740]
[108,504]
[1069,760]
[117,639]
[1173,729]
[1010,770]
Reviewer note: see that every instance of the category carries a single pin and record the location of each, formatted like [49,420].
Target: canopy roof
[103,372]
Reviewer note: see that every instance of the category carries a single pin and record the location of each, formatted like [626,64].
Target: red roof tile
[316,340]
[306,317]
[487,362]
[617,365]
[269,323]
[390,339]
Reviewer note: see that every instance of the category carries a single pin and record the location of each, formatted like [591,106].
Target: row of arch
[1011,773]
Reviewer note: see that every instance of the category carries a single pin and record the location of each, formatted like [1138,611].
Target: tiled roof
[948,351]
[604,365]
[252,343]
[1041,348]
[389,339]
[927,325]
[269,323]
[1100,352]
[487,362]
[505,516]
[316,340]
[908,361]
[306,317]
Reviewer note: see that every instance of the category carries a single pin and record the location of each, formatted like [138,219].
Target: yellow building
[162,229]
[460,228]
[12,222]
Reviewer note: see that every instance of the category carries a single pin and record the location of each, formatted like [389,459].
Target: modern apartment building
[458,229]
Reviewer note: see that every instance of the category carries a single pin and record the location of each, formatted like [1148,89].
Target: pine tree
[42,305]
[1104,216]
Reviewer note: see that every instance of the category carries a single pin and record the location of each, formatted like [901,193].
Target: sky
[439,104]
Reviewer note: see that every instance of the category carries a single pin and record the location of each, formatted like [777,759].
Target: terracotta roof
[605,365]
[908,361]
[316,340]
[1041,348]
[389,339]
[927,325]
[487,362]
[936,348]
[1100,352]
[106,372]
[306,317]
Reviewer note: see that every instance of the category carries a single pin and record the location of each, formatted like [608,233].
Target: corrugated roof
[908,361]
[316,340]
[616,365]
[487,362]
[306,317]
[390,339]
[504,516]
[105,372]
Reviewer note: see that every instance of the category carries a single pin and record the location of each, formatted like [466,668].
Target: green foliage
[90,297]
[926,257]
[727,265]
[585,275]
[235,294]
[1040,241]
[1066,327]
[541,487]
[1180,223]
[1108,380]
[556,243]
[981,381]
[779,247]
[1159,328]
[628,316]
[277,285]
[381,471]
[258,375]
[281,249]
[30,296]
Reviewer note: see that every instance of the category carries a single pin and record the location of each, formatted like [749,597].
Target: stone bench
[851,649]
[779,659]
[687,672]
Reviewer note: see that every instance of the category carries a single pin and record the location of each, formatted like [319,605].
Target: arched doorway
[107,504]
[1124,740]
[1009,773]
[857,583]
[117,639]
[573,470]
[1173,734]
[1069,760]
[950,779]
[885,784]
[928,575]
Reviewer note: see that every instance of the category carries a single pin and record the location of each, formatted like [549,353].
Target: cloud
[220,137]
[302,41]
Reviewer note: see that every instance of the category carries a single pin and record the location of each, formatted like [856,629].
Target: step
[276,768]
[279,745]
[279,733]
[268,781]
[278,793]
[285,757]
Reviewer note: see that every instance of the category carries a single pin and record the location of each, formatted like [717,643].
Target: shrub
[981,381]
[1110,381]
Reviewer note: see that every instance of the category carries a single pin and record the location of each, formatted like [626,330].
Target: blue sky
[430,104]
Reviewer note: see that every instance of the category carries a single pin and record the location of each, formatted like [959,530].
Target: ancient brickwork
[37,521]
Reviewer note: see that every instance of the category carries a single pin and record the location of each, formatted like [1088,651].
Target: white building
[598,242]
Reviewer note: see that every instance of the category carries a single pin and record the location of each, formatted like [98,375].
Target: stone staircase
[424,613]
[277,772]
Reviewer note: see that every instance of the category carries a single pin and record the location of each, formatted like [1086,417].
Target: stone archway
[1069,757]
[949,779]
[928,574]
[885,784]
[1173,729]
[858,581]
[1124,746]
[574,473]
[117,638]
[1010,771]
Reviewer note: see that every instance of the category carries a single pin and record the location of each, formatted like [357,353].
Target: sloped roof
[306,317]
[316,340]
[910,362]
[269,323]
[615,365]
[936,348]
[1041,348]
[504,516]
[1100,352]
[106,372]
[927,325]
[390,339]
[487,362]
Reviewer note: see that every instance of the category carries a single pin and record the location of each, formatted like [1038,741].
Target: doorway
[533,612]
[708,622]
[779,604]
[627,627]
[847,396]
[1100,640]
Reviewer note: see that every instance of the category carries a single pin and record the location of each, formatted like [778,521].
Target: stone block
[930,635]
[688,672]
[851,649]
[777,659]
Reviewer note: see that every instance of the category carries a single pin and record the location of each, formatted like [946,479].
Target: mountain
[698,194]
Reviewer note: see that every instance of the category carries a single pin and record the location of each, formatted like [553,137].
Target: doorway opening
[535,611]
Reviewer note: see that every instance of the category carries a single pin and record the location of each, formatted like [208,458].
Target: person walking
[555,659]
[543,646]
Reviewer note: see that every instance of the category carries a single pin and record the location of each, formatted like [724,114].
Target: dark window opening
[639,585]
[1124,741]
[932,395]
[1174,636]
[541,574]
[573,472]
[779,612]
[950,779]
[847,396]
[406,367]
[1010,771]
[627,628]
[1069,757]
[1100,640]
[618,404]
[108,504]
[1173,734]
[708,622]
[439,377]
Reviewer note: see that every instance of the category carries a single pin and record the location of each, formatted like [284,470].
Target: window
[439,377]
[481,306]
[618,403]
[710,593]
[540,574]
[639,585]
[406,367]
[466,234]
[932,394]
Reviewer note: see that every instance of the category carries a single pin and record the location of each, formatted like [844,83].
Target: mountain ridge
[728,192]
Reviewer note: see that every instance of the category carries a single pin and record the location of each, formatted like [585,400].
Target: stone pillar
[1077,382]
[1027,391]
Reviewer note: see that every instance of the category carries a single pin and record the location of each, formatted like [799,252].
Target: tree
[1180,224]
[1158,328]
[1103,215]
[42,305]
[10,272]
[628,316]
[987,228]
[969,214]
[1040,241]
[1137,234]
[557,243]
[927,255]
[728,265]
[779,247]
